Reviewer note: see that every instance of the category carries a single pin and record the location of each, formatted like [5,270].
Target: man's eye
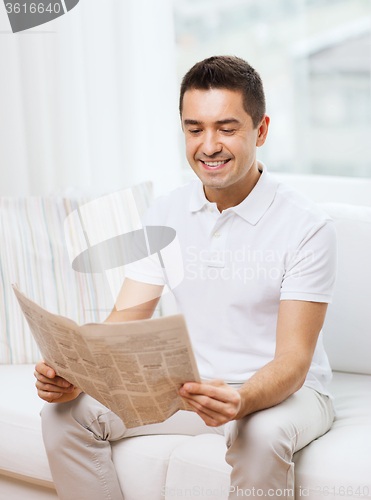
[228,131]
[195,131]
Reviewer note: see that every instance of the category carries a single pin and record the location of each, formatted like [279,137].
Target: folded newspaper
[134,368]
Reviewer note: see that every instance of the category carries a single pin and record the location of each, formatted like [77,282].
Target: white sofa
[337,465]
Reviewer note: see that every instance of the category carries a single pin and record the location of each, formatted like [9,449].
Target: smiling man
[221,141]
[259,271]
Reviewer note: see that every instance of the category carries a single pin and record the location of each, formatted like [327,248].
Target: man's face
[221,141]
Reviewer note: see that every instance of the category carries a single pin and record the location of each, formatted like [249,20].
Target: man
[259,272]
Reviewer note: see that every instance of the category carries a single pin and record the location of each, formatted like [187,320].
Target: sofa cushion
[148,457]
[22,449]
[339,458]
[16,489]
[338,464]
[347,329]
[198,469]
[33,253]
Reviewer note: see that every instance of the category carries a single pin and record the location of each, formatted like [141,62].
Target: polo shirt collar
[253,207]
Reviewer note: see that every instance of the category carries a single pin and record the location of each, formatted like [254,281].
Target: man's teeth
[214,163]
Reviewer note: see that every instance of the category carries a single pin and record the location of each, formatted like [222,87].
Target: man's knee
[83,417]
[259,434]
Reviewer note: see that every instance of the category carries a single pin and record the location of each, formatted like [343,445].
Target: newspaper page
[133,368]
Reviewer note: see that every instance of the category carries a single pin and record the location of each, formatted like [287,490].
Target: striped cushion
[33,254]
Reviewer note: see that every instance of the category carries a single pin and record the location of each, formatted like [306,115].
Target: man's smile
[213,165]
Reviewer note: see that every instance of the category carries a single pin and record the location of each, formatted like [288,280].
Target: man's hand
[51,388]
[215,401]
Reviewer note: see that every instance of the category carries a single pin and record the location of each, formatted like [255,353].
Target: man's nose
[211,145]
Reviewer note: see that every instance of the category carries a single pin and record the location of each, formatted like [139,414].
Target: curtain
[90,99]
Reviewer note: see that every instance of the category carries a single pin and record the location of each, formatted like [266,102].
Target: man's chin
[211,181]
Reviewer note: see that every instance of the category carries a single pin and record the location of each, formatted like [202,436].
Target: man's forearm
[272,384]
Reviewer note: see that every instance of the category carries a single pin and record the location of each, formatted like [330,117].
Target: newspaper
[134,368]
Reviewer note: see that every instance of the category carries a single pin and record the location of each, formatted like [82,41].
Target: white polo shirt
[238,265]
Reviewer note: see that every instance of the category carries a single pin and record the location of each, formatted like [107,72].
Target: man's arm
[298,327]
[135,301]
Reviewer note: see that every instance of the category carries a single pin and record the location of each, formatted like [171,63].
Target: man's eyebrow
[192,122]
[218,122]
[227,120]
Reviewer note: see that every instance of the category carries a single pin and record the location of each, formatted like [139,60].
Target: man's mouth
[214,164]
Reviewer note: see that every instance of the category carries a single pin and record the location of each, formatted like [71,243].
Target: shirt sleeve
[146,270]
[311,270]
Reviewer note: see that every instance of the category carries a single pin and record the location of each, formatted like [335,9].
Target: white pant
[77,438]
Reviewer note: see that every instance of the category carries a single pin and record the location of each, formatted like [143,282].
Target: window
[314,57]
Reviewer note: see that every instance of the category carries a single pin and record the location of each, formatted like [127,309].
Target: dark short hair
[231,73]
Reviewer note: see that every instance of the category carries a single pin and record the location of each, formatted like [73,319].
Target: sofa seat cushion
[338,463]
[22,449]
[198,469]
[339,459]
[142,464]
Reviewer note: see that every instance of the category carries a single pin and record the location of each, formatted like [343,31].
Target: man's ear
[262,131]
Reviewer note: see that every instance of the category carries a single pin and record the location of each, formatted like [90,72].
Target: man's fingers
[44,369]
[209,405]
[219,393]
[211,422]
[52,388]
[219,401]
[211,418]
[198,406]
[58,381]
[49,397]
